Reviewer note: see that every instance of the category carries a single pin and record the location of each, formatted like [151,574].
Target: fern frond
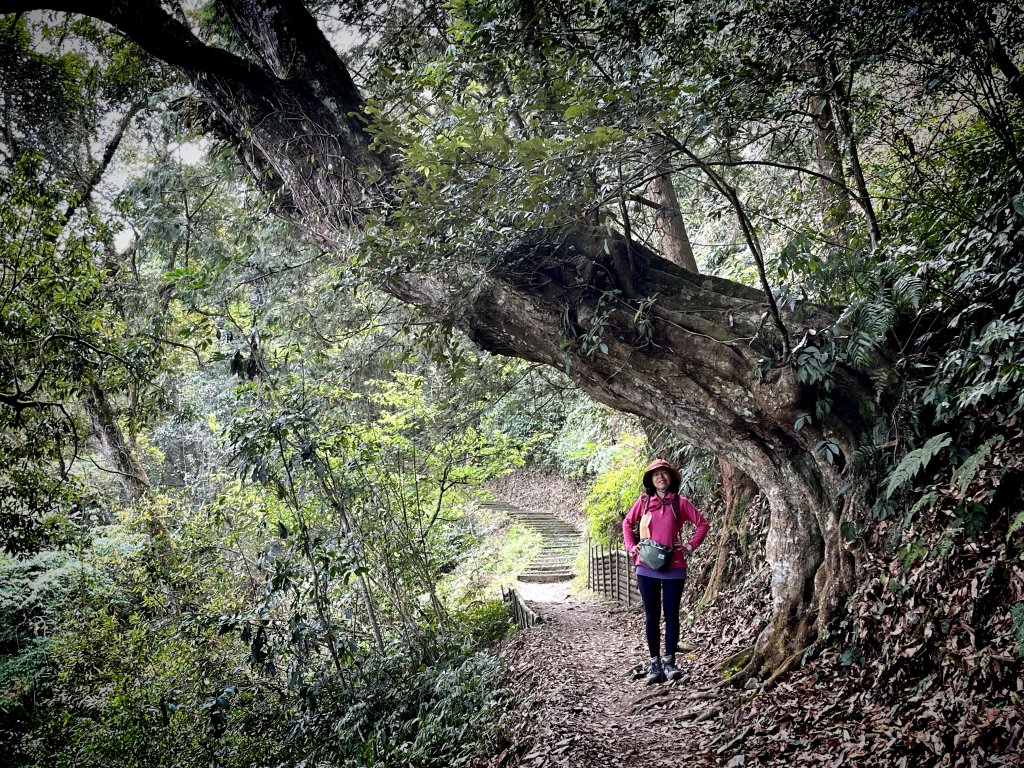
[925,501]
[876,318]
[908,289]
[1015,526]
[859,349]
[915,461]
[1017,614]
[966,472]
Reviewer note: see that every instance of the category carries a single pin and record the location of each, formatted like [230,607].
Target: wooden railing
[522,614]
[610,573]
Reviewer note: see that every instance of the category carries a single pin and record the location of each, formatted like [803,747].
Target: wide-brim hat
[661,464]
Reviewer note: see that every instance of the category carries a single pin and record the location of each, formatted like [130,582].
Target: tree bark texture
[836,208]
[737,492]
[112,445]
[675,242]
[699,359]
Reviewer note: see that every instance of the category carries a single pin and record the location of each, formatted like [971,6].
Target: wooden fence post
[590,564]
[629,590]
[604,573]
[613,574]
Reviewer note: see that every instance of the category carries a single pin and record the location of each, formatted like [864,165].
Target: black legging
[651,590]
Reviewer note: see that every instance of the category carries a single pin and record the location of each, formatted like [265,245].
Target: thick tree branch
[154,30]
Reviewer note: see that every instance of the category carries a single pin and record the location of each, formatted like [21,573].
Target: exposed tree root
[782,669]
[707,714]
[737,660]
[659,693]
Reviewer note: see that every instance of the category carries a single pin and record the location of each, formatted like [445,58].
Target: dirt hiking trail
[578,702]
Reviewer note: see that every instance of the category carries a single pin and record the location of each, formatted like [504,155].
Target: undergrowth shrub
[940,614]
[140,664]
[483,623]
[31,589]
[615,489]
[395,713]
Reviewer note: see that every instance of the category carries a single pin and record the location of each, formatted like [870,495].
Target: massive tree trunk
[705,358]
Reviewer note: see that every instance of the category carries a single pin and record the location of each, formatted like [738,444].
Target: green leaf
[1015,526]
[966,472]
[827,450]
[915,461]
[1018,204]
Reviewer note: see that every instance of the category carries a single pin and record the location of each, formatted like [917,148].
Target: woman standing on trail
[660,513]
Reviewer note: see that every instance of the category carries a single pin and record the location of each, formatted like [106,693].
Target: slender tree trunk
[841,104]
[120,456]
[112,445]
[835,198]
[371,613]
[997,53]
[675,242]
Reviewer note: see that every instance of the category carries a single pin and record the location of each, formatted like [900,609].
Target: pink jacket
[665,528]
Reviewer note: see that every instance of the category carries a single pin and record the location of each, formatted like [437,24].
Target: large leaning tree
[711,359]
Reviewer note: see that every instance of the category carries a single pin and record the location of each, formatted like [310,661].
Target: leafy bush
[141,670]
[32,593]
[483,623]
[401,714]
[615,489]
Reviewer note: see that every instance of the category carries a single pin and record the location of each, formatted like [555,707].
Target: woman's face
[662,479]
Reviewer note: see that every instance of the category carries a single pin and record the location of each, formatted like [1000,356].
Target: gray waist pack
[654,555]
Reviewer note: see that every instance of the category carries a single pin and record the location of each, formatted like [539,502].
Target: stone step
[550,555]
[525,515]
[560,543]
[551,530]
[537,516]
[532,568]
[541,523]
[550,566]
[546,578]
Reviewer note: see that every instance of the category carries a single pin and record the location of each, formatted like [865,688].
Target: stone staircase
[556,559]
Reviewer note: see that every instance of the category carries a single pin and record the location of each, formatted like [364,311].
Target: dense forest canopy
[272,246]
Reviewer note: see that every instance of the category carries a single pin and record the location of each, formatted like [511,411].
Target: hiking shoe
[669,668]
[654,673]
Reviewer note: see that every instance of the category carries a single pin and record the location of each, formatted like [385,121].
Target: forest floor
[577,702]
[572,698]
